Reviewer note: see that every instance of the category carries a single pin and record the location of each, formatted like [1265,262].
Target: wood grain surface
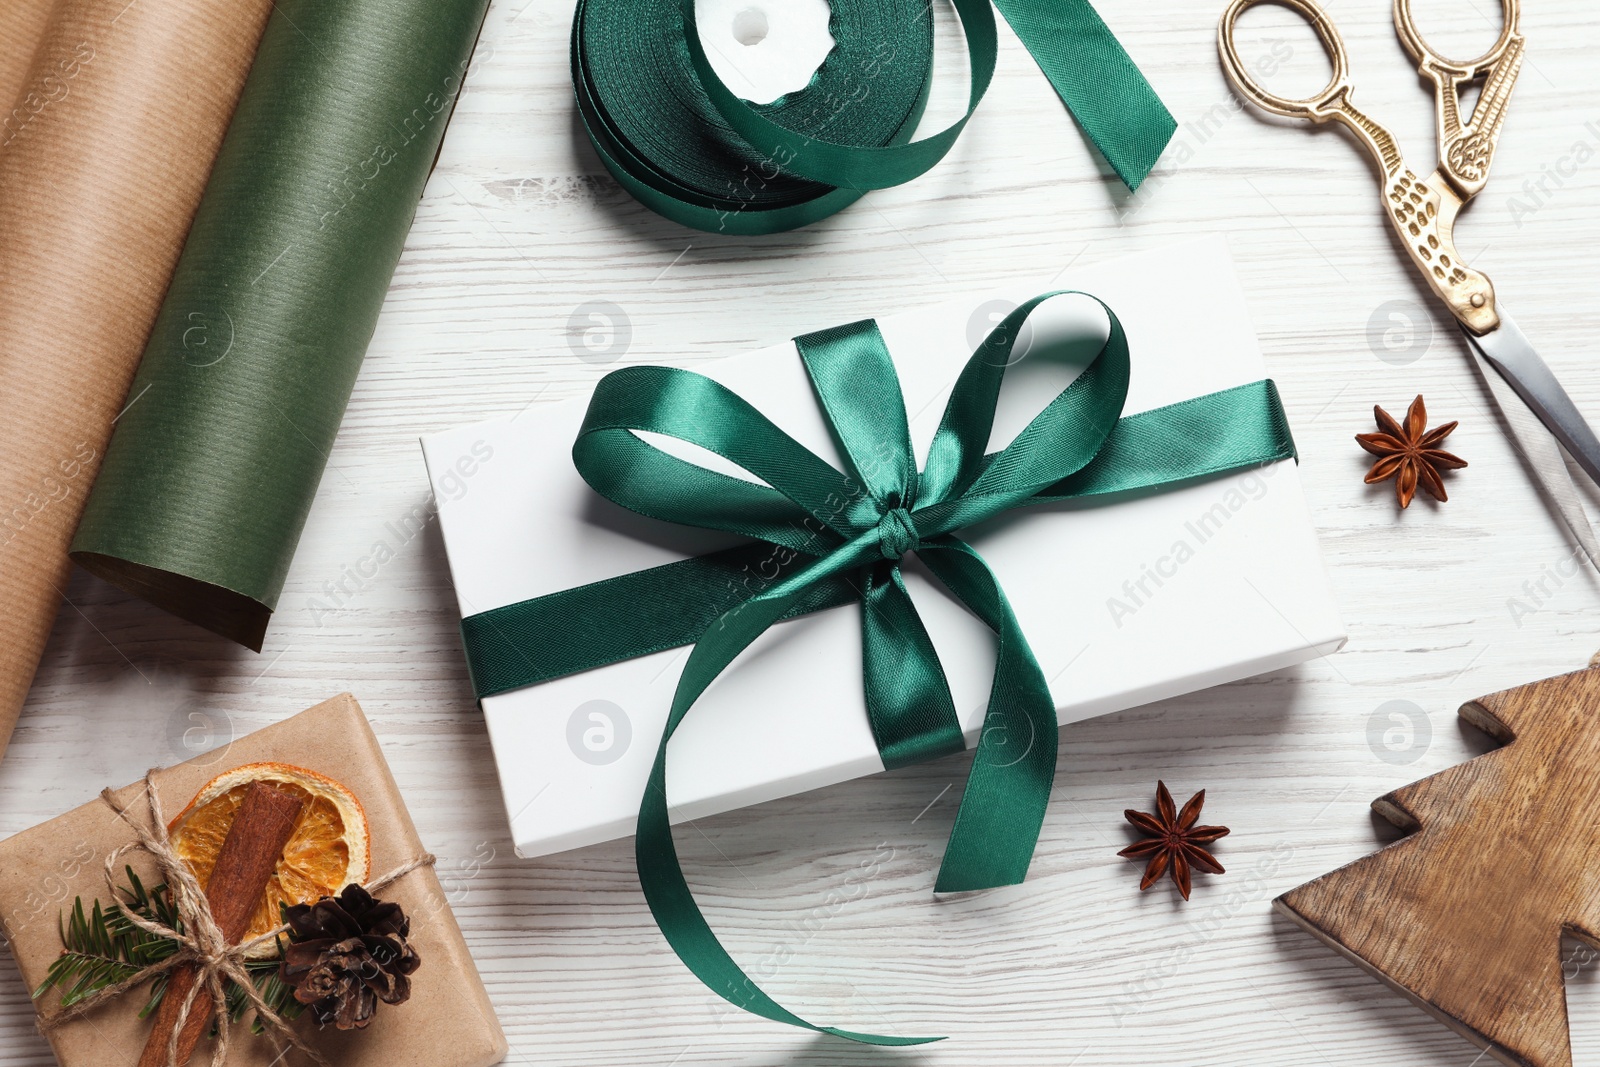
[1465,915]
[522,245]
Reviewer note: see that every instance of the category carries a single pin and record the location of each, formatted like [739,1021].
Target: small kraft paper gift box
[1124,599]
[444,1020]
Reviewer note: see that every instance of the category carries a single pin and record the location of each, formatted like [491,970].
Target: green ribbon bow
[678,139]
[823,537]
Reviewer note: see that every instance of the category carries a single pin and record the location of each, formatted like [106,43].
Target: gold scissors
[1423,213]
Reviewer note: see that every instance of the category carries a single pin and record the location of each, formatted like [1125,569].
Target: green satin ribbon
[823,537]
[677,138]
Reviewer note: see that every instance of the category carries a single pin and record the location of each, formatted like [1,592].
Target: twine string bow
[201,943]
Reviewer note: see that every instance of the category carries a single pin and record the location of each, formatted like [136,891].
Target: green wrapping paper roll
[211,472]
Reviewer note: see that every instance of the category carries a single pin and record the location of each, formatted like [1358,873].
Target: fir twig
[103,946]
[278,995]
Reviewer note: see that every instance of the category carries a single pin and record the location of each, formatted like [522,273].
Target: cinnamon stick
[246,862]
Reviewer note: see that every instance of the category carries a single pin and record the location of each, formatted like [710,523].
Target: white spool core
[750,26]
[763,49]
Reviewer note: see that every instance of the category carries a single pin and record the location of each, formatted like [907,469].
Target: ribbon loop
[859,392]
[856,527]
[803,508]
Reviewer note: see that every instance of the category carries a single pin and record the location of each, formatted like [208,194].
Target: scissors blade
[1509,352]
[1512,370]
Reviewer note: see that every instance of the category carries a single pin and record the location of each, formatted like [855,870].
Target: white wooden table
[520,228]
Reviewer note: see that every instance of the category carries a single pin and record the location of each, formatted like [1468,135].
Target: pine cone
[346,954]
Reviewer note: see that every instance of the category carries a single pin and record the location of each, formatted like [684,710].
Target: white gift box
[1124,601]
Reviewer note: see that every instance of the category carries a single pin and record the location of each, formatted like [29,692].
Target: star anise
[1409,454]
[1173,841]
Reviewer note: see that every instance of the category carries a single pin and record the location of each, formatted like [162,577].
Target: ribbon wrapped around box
[814,535]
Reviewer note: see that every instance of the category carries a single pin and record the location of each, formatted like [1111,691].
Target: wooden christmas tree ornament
[1465,915]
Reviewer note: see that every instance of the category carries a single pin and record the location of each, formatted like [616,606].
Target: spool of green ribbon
[831,536]
[677,138]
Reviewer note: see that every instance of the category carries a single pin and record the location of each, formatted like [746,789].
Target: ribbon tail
[660,873]
[909,706]
[691,937]
[1097,80]
[1008,789]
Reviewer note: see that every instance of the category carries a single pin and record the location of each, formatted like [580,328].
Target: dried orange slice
[328,850]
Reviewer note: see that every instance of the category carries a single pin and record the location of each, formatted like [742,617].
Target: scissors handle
[1411,37]
[1466,150]
[1320,106]
[1421,211]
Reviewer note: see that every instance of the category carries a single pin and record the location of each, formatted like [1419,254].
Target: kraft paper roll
[22,26]
[98,185]
[212,471]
